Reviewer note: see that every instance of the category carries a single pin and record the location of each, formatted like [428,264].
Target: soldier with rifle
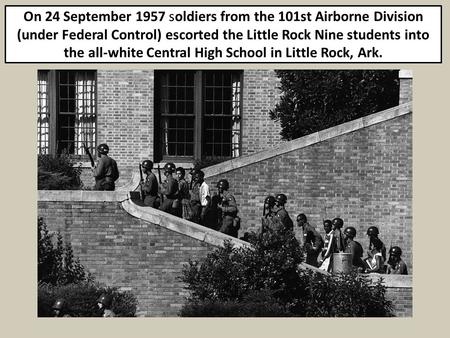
[227,210]
[149,186]
[169,190]
[281,213]
[268,213]
[105,171]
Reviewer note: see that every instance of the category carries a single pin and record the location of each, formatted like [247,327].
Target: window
[198,114]
[66,111]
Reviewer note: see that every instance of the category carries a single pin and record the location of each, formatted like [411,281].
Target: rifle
[142,181]
[86,149]
[160,182]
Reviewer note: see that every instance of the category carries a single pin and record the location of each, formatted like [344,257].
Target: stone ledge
[180,225]
[81,196]
[308,140]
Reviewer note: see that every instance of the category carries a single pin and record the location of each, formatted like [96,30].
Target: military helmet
[338,222]
[103,148]
[350,231]
[147,164]
[106,300]
[372,231]
[169,167]
[281,199]
[223,183]
[59,304]
[395,251]
[270,200]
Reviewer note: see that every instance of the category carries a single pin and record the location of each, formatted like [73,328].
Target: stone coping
[390,281]
[180,225]
[308,140]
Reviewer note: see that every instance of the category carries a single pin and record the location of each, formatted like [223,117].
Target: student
[375,261]
[183,194]
[326,263]
[312,241]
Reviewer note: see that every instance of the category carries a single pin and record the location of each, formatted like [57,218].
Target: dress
[206,216]
[372,262]
[105,173]
[340,243]
[327,253]
[184,198]
[195,203]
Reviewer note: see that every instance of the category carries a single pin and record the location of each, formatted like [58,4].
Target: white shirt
[204,192]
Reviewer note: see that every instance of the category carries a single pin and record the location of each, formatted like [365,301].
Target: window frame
[53,89]
[199,116]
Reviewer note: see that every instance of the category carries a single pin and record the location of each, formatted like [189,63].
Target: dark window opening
[198,114]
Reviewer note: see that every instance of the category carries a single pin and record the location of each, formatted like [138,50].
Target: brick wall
[260,94]
[125,116]
[402,300]
[126,252]
[146,258]
[364,177]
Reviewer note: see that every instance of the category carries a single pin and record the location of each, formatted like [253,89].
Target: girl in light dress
[326,263]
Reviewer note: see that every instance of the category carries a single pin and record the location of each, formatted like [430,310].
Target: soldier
[353,247]
[227,209]
[268,212]
[150,185]
[105,172]
[373,233]
[338,223]
[169,189]
[312,241]
[60,308]
[104,303]
[183,194]
[281,213]
[395,264]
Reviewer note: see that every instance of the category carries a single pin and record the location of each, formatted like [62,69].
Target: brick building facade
[360,171]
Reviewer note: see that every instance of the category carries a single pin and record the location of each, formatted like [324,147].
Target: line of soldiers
[61,309]
[191,201]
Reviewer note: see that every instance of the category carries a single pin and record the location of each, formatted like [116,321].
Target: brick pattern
[123,251]
[139,256]
[402,300]
[125,116]
[260,94]
[364,177]
[406,90]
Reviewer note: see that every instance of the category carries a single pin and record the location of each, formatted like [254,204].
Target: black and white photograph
[224,192]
